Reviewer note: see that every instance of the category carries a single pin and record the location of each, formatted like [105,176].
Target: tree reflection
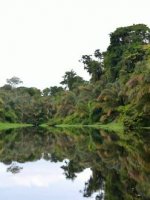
[14,169]
[69,170]
[120,162]
[94,184]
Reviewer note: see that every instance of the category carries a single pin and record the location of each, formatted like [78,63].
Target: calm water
[74,164]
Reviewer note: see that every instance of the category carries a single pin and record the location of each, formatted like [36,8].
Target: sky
[42,39]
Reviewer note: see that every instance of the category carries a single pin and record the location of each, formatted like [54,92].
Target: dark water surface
[74,164]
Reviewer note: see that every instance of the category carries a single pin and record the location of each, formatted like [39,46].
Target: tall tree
[125,49]
[14,81]
[93,67]
[71,79]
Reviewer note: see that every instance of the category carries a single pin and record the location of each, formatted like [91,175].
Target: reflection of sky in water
[41,180]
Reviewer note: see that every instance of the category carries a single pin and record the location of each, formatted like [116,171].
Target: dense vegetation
[118,90]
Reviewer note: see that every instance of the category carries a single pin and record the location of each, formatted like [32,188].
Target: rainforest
[82,139]
[118,90]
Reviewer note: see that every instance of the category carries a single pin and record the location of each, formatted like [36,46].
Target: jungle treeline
[118,89]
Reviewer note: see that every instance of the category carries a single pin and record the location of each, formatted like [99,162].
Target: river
[74,164]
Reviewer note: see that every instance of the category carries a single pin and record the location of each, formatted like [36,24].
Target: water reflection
[40,180]
[119,163]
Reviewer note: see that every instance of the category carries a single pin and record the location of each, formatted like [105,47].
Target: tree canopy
[117,90]
[14,81]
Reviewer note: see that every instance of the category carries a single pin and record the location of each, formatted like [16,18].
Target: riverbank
[4,125]
[110,126]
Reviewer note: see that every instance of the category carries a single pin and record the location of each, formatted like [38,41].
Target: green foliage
[71,79]
[135,34]
[93,67]
[128,53]
[5,126]
[126,45]
[119,88]
[10,116]
[52,91]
